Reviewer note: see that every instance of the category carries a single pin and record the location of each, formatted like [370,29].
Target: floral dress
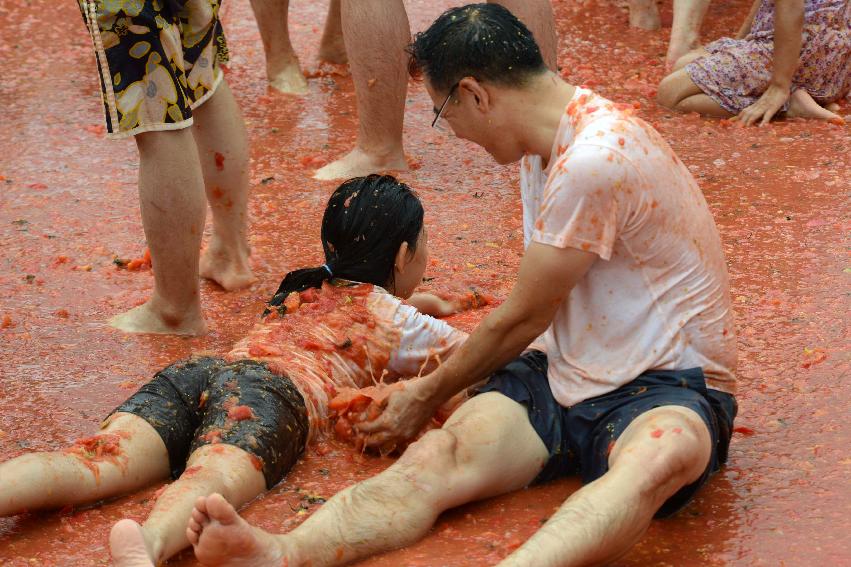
[737,71]
[157,60]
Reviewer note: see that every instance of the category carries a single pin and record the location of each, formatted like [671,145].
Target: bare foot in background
[154,317]
[644,14]
[227,267]
[357,163]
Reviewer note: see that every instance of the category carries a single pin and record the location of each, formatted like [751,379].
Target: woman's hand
[430,304]
[764,109]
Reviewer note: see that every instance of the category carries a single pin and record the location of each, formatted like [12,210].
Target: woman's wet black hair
[485,41]
[365,222]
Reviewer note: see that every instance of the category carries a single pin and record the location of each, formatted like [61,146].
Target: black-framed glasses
[439,112]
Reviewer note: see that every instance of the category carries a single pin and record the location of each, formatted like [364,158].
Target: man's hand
[771,101]
[405,414]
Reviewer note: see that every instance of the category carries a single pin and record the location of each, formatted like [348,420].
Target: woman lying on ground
[792,57]
[237,424]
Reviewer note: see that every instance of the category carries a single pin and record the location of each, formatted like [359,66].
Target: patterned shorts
[157,60]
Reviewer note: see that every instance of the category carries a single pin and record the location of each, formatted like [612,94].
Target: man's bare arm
[547,274]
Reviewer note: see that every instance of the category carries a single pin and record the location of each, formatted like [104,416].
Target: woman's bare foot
[644,14]
[128,547]
[802,105]
[286,77]
[226,266]
[221,537]
[358,163]
[153,317]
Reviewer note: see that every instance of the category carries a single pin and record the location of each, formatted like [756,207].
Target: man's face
[473,118]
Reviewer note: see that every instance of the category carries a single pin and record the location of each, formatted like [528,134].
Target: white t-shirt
[346,335]
[658,297]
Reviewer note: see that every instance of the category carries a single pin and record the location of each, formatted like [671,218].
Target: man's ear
[402,258]
[479,93]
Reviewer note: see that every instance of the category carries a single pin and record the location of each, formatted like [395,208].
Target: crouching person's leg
[487,447]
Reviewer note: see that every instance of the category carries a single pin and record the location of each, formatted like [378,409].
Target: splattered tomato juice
[69,207]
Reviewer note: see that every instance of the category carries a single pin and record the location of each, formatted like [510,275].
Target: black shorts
[207,400]
[579,438]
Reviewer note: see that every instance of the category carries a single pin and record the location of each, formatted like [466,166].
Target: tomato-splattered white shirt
[347,335]
[658,296]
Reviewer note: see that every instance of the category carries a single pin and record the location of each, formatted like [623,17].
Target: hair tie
[328,269]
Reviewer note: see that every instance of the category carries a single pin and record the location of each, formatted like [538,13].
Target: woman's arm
[788,29]
[436,306]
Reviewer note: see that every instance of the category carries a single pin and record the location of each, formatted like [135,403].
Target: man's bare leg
[659,453]
[537,15]
[332,48]
[685,31]
[222,143]
[488,447]
[40,481]
[376,33]
[171,196]
[223,469]
[282,67]
[644,14]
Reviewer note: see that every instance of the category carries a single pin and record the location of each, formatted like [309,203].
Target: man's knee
[668,448]
[434,452]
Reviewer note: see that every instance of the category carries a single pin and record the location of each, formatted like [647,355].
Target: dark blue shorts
[579,438]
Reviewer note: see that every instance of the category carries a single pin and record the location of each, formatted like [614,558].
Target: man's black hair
[484,41]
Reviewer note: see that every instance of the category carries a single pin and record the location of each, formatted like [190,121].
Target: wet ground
[68,206]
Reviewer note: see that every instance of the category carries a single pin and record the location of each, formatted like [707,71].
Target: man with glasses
[612,358]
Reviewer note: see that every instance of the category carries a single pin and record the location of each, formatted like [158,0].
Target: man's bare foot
[802,105]
[286,77]
[151,317]
[358,163]
[221,537]
[128,547]
[644,14]
[225,266]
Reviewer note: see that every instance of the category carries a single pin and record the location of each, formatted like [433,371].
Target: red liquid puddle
[778,195]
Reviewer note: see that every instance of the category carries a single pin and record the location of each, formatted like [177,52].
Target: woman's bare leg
[220,468]
[704,105]
[282,67]
[689,57]
[376,33]
[39,481]
[222,142]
